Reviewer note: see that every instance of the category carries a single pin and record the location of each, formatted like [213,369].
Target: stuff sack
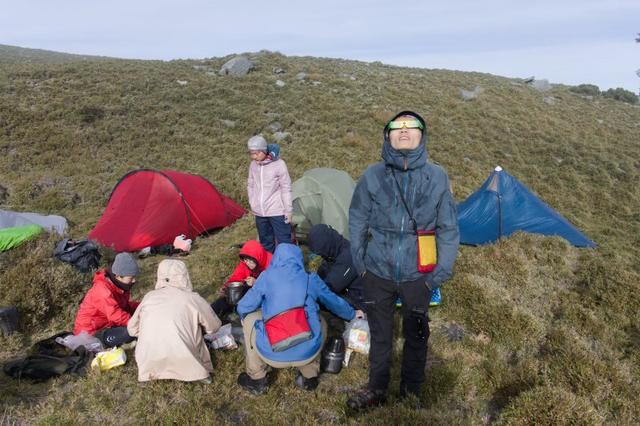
[288,329]
[49,359]
[83,255]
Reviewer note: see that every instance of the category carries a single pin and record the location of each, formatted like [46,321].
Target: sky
[569,42]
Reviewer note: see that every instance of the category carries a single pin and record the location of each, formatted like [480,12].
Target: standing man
[394,201]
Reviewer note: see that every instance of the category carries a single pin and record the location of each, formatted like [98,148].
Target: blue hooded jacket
[281,287]
[383,241]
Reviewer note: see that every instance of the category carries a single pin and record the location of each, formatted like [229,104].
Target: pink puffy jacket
[269,188]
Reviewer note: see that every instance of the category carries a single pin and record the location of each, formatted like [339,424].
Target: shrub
[586,89]
[39,286]
[621,94]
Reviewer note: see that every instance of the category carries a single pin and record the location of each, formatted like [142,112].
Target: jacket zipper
[399,254]
[261,191]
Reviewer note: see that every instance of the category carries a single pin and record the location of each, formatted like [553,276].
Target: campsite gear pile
[333,355]
[8,320]
[48,358]
[148,208]
[83,255]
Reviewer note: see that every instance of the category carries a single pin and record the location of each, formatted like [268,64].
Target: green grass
[551,332]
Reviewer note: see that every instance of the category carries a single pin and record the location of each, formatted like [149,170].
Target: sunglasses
[406,123]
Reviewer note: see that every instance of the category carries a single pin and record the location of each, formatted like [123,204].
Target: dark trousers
[114,336]
[272,230]
[380,296]
[222,308]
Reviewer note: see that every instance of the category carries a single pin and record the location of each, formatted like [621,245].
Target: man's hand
[288,218]
[250,281]
[359,314]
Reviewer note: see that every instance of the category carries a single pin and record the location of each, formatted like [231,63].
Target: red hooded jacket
[105,305]
[254,249]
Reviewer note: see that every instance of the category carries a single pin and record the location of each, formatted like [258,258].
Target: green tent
[13,237]
[322,196]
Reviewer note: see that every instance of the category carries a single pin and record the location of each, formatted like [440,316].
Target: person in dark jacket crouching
[397,204]
[336,269]
[280,290]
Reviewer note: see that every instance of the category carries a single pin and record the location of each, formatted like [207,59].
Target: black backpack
[48,359]
[83,255]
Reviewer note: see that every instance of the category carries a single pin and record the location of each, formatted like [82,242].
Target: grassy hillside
[551,332]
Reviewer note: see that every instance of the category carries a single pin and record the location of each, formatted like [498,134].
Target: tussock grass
[550,332]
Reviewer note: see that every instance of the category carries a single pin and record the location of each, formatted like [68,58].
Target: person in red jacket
[254,259]
[107,308]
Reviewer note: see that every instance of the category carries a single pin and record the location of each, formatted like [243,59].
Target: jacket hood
[325,241]
[287,256]
[406,159]
[173,273]
[254,249]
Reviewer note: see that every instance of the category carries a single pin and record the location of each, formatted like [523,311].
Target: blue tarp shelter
[503,206]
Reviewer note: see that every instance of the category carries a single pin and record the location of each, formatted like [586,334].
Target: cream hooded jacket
[169,324]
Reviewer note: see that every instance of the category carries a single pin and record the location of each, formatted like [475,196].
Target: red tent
[152,207]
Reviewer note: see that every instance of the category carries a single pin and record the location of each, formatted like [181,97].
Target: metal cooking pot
[234,292]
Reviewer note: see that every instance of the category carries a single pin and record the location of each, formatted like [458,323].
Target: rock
[301,76]
[280,83]
[238,66]
[280,136]
[182,82]
[557,160]
[211,73]
[202,67]
[352,78]
[4,194]
[529,80]
[515,83]
[468,95]
[549,100]
[599,121]
[275,126]
[467,159]
[316,83]
[541,85]
[453,331]
[277,70]
[229,123]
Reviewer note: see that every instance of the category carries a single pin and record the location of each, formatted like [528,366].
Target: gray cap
[125,265]
[257,143]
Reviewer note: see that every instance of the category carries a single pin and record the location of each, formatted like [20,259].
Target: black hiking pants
[380,296]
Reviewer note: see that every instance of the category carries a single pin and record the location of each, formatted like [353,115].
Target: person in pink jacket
[269,190]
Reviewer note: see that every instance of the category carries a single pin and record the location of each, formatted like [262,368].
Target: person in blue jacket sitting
[278,291]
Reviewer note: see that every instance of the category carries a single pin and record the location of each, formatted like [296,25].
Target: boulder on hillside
[240,65]
[279,70]
[280,136]
[468,95]
[280,83]
[301,76]
[541,85]
[275,126]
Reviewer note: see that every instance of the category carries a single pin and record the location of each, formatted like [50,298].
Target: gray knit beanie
[257,143]
[125,265]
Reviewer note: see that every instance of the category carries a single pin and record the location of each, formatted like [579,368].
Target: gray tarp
[9,219]
[322,196]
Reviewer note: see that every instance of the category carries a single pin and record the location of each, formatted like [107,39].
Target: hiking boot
[367,398]
[306,384]
[257,386]
[436,297]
